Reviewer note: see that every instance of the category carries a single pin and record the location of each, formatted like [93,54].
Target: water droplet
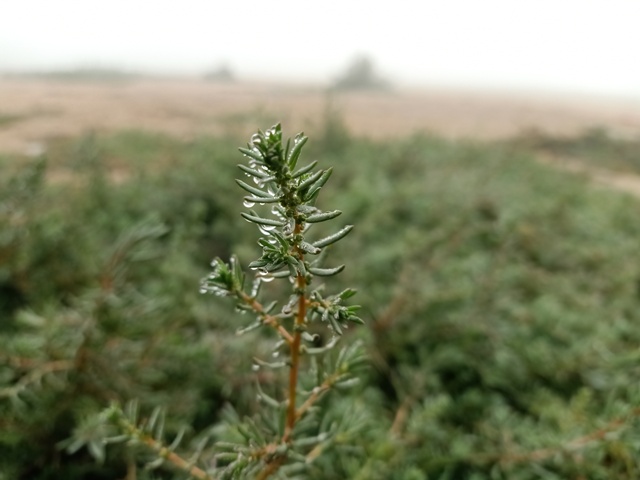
[255,287]
[275,354]
[265,229]
[255,367]
[248,204]
[219,292]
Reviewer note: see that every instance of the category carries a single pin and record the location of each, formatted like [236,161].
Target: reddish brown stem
[573,445]
[266,318]
[311,399]
[271,468]
[36,375]
[301,318]
[295,361]
[165,453]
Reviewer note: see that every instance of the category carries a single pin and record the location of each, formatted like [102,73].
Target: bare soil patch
[622,181]
[37,111]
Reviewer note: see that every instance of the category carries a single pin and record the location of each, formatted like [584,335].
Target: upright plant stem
[300,320]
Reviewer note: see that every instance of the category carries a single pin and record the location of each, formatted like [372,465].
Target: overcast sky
[567,45]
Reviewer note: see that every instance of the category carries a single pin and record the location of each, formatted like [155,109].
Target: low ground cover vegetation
[501,299]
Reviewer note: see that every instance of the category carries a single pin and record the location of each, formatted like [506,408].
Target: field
[493,252]
[36,111]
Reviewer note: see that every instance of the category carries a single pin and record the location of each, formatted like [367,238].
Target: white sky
[571,45]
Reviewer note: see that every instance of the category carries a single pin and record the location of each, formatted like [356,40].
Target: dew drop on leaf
[265,229]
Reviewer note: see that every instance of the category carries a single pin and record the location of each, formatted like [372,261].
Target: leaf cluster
[280,440]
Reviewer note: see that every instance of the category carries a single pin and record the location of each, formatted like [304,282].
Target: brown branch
[311,399]
[293,386]
[271,468]
[36,375]
[164,452]
[131,471]
[273,322]
[267,319]
[573,445]
[300,321]
[295,341]
[400,418]
[21,362]
[316,393]
[315,453]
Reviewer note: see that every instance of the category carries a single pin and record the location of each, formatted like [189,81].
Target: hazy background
[490,165]
[566,46]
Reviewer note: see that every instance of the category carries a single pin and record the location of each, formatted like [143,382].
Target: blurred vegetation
[595,146]
[502,299]
[7,119]
[360,74]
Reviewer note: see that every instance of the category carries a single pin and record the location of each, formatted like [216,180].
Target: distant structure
[221,73]
[361,75]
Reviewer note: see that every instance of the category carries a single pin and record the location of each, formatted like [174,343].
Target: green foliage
[502,295]
[595,146]
[334,138]
[98,303]
[7,119]
[286,435]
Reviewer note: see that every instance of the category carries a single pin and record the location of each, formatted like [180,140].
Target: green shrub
[502,298]
[293,430]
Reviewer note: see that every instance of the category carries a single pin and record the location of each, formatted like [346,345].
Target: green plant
[503,305]
[296,429]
